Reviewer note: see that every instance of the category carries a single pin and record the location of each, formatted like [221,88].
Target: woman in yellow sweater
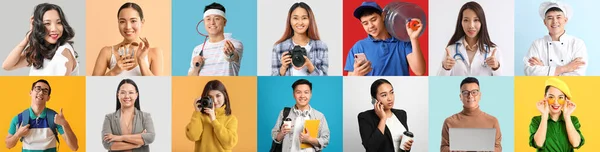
[213,127]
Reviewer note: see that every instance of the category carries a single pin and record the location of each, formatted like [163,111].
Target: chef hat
[560,85]
[566,9]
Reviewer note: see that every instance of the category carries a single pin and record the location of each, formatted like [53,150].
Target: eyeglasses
[552,100]
[39,89]
[472,92]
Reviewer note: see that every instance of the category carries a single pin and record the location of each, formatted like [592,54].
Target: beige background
[102,28]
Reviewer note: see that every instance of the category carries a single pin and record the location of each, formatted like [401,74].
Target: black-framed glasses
[472,92]
[39,89]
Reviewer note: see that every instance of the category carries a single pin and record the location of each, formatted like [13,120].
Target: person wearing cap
[300,30]
[382,128]
[555,129]
[382,54]
[556,54]
[470,51]
[471,116]
[221,54]
[133,56]
[38,127]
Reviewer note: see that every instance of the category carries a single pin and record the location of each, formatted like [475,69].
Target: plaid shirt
[317,54]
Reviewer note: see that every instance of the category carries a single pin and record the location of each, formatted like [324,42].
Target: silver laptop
[472,139]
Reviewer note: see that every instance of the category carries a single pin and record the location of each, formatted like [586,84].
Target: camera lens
[298,54]
[204,102]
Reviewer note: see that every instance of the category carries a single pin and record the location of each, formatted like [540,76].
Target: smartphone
[360,57]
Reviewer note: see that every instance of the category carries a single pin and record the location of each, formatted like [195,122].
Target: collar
[302,113]
[220,111]
[562,39]
[471,111]
[33,116]
[560,118]
[118,112]
[391,39]
[463,41]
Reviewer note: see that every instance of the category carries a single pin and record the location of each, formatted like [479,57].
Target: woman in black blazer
[381,128]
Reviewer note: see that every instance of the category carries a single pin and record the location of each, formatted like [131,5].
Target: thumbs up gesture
[492,62]
[59,118]
[449,62]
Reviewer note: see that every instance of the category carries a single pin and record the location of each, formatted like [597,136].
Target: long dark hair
[39,49]
[312,31]
[483,36]
[218,85]
[136,104]
[135,6]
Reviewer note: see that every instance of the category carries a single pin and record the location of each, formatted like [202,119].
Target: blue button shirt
[388,57]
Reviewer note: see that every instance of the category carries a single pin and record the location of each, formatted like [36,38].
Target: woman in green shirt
[555,129]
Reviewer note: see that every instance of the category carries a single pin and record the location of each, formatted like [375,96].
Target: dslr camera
[204,102]
[298,54]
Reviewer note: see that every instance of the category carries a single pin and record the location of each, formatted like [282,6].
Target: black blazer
[372,139]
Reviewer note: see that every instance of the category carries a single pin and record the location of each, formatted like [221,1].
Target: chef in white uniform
[556,54]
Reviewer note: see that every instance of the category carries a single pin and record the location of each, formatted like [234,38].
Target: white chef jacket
[554,54]
[470,69]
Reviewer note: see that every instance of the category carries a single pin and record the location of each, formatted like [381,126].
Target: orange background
[530,90]
[102,28]
[242,94]
[67,93]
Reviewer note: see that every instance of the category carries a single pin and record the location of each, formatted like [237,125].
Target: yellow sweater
[216,136]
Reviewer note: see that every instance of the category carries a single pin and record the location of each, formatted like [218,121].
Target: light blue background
[497,99]
[529,26]
[241,22]
[274,93]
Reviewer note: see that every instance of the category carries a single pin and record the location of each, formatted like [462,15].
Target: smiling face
[555,22]
[470,95]
[127,95]
[54,27]
[471,23]
[302,94]
[299,20]
[130,24]
[40,94]
[214,24]
[373,24]
[554,97]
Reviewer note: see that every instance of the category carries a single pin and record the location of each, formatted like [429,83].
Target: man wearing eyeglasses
[37,126]
[471,116]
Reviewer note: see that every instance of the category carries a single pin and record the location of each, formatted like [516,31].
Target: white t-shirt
[297,130]
[216,63]
[304,70]
[56,66]
[396,129]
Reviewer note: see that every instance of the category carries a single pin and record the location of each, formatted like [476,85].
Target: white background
[411,96]
[500,22]
[272,17]
[155,98]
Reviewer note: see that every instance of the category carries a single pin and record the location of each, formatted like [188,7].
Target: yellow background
[529,90]
[102,28]
[242,94]
[67,93]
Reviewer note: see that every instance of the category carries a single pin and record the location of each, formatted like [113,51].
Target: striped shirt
[318,55]
[216,62]
[40,137]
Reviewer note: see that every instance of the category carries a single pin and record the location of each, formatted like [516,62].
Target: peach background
[102,28]
[67,93]
[242,94]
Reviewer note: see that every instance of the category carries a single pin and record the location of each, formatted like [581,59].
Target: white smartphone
[359,57]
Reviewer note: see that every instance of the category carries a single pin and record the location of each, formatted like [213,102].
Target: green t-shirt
[557,139]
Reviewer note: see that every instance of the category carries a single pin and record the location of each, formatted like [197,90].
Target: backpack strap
[50,119]
[24,116]
[286,112]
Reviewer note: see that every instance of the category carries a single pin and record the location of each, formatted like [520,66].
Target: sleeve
[501,62]
[323,136]
[445,147]
[148,137]
[498,144]
[195,52]
[14,123]
[442,71]
[370,135]
[580,50]
[106,129]
[349,67]
[60,129]
[407,47]
[227,133]
[577,127]
[321,60]
[536,70]
[275,63]
[194,129]
[533,126]
[277,127]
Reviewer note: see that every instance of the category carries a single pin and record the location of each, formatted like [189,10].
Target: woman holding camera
[213,127]
[300,30]
[128,128]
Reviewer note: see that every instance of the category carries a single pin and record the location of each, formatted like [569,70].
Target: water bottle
[397,14]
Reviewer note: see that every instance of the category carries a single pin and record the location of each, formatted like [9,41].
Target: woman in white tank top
[133,56]
[47,47]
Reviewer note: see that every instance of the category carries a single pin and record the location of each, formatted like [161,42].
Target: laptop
[472,139]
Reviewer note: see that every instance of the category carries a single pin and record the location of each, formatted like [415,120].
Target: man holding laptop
[471,129]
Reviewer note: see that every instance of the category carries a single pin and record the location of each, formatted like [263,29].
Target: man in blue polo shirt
[37,126]
[380,54]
